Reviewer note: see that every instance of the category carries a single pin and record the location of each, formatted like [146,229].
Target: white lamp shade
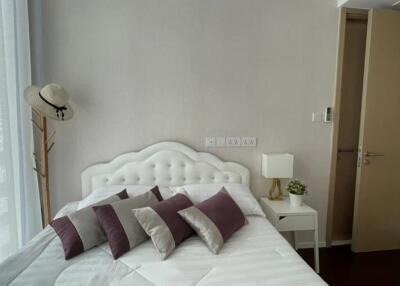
[277,165]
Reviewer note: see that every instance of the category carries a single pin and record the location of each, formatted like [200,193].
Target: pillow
[241,194]
[132,190]
[215,220]
[80,230]
[164,225]
[120,224]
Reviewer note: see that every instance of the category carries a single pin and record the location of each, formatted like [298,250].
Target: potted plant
[296,191]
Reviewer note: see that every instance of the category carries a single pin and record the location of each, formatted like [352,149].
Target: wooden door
[376,223]
[349,126]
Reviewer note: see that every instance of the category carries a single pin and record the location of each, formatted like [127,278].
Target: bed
[256,255]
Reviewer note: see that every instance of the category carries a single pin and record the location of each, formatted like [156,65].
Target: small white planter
[295,200]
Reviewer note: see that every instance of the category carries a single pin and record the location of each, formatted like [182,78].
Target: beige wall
[145,71]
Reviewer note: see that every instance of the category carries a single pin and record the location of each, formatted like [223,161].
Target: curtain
[20,216]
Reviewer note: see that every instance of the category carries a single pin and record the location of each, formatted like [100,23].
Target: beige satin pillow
[215,220]
[163,224]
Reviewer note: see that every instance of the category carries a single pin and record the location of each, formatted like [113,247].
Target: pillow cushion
[241,194]
[80,230]
[132,190]
[164,225]
[215,220]
[120,224]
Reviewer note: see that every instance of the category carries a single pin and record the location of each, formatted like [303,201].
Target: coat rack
[43,145]
[50,101]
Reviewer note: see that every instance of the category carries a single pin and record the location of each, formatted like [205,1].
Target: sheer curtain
[20,217]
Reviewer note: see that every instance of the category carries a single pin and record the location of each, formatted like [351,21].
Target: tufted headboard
[164,164]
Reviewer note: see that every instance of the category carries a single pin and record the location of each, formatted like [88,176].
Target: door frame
[345,14]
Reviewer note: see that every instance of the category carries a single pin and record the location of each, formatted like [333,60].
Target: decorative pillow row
[126,222]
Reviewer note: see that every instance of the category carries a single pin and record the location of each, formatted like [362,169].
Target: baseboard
[310,244]
[341,242]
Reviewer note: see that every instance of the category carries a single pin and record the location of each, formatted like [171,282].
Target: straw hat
[51,101]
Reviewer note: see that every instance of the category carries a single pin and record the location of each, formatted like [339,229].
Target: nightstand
[286,218]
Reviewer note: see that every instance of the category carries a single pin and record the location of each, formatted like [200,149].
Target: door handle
[364,158]
[371,154]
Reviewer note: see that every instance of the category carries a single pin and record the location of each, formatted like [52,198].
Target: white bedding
[255,255]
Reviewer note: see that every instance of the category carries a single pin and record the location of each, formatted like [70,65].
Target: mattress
[256,255]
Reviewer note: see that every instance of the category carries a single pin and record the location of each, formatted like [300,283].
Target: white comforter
[256,255]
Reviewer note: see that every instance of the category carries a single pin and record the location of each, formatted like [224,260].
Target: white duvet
[256,255]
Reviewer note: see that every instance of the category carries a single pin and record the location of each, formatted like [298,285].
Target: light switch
[210,141]
[249,141]
[220,141]
[317,117]
[233,141]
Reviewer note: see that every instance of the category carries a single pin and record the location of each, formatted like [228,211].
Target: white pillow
[132,190]
[241,194]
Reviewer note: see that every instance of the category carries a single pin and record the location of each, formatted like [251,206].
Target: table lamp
[277,166]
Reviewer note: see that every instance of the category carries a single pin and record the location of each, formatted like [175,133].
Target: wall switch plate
[220,141]
[249,142]
[210,141]
[233,141]
[316,117]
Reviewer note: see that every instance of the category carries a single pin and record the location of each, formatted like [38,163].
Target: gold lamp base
[275,192]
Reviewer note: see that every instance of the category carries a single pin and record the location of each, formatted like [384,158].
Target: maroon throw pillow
[80,230]
[120,224]
[163,224]
[215,220]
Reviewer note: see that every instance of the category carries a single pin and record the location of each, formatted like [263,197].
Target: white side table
[286,218]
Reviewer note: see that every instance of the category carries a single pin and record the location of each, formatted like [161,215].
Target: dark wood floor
[339,266]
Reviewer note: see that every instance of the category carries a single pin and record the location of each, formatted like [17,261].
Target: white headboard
[164,164]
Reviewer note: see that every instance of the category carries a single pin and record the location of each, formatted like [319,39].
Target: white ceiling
[368,4]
